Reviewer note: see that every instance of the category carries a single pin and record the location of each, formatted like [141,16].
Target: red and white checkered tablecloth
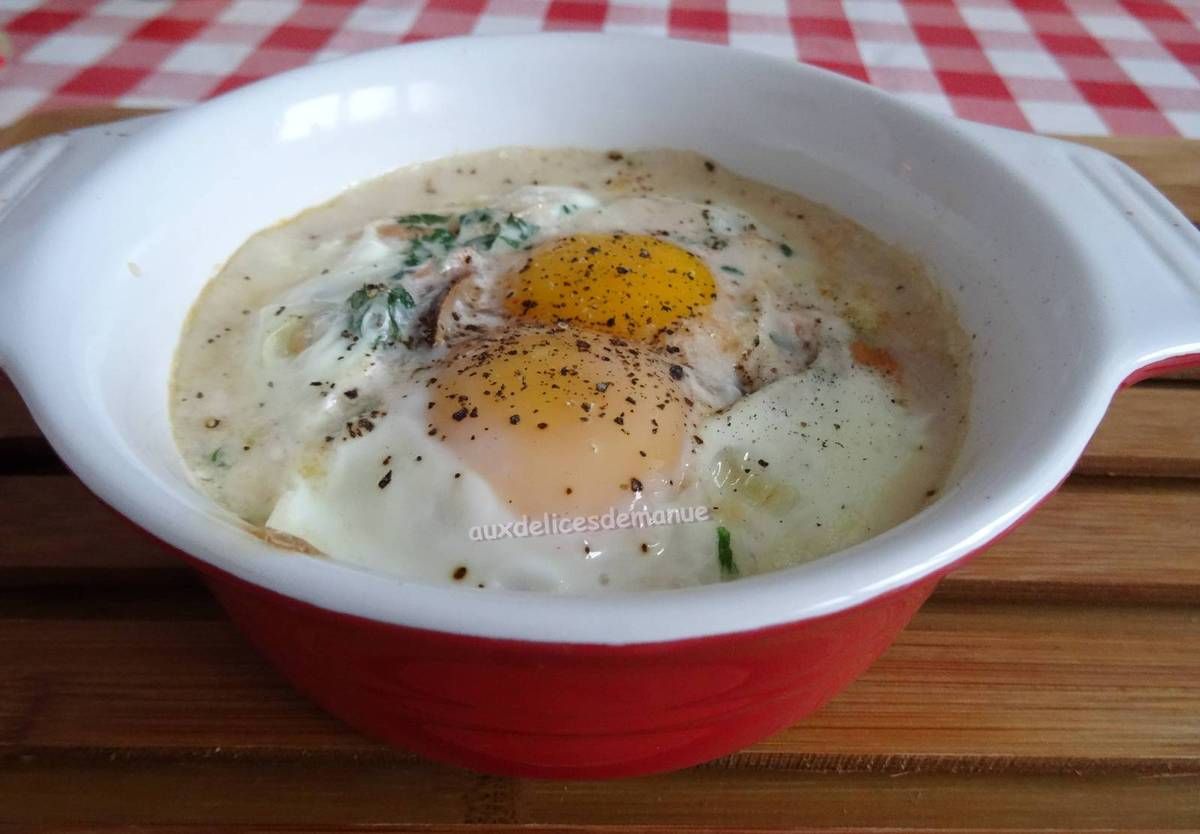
[1054,66]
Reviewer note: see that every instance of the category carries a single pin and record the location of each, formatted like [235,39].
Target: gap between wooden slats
[218,792]
[459,828]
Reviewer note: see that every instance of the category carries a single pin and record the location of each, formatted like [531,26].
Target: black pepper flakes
[385,480]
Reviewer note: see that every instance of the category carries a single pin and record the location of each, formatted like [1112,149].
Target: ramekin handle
[1144,251]
[33,179]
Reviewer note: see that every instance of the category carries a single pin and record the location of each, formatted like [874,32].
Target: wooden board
[1051,684]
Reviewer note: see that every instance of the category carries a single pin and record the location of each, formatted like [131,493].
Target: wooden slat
[217,791]
[968,687]
[1098,539]
[1148,431]
[53,530]
[15,421]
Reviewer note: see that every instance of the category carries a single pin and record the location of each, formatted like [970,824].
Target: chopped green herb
[476,216]
[786,250]
[480,242]
[732,269]
[515,232]
[379,309]
[441,237]
[729,568]
[424,219]
[217,458]
[399,295]
[480,230]
[568,208]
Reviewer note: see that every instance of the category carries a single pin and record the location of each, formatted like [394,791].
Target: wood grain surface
[1052,684]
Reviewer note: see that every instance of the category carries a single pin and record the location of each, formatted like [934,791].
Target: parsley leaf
[515,231]
[423,220]
[786,250]
[480,230]
[374,308]
[729,568]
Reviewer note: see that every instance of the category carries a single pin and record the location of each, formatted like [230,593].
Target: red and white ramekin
[1071,273]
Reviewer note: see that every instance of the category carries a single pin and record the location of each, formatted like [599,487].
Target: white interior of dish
[127,251]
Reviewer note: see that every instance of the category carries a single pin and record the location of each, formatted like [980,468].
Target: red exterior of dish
[564,710]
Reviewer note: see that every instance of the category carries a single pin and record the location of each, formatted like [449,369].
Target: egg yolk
[631,285]
[561,421]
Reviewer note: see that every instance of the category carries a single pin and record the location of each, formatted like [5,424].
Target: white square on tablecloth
[994,20]
[1113,26]
[1063,117]
[18,5]
[207,58]
[907,55]
[259,12]
[1185,121]
[17,101]
[770,8]
[137,9]
[1158,72]
[873,11]
[379,19]
[71,50]
[1024,64]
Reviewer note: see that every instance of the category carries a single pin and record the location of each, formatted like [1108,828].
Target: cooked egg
[633,285]
[562,420]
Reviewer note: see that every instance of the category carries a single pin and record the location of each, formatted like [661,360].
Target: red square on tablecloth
[297,37]
[104,81]
[1113,94]
[169,29]
[973,84]
[42,23]
[575,14]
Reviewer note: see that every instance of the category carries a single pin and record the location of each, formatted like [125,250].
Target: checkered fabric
[1056,66]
